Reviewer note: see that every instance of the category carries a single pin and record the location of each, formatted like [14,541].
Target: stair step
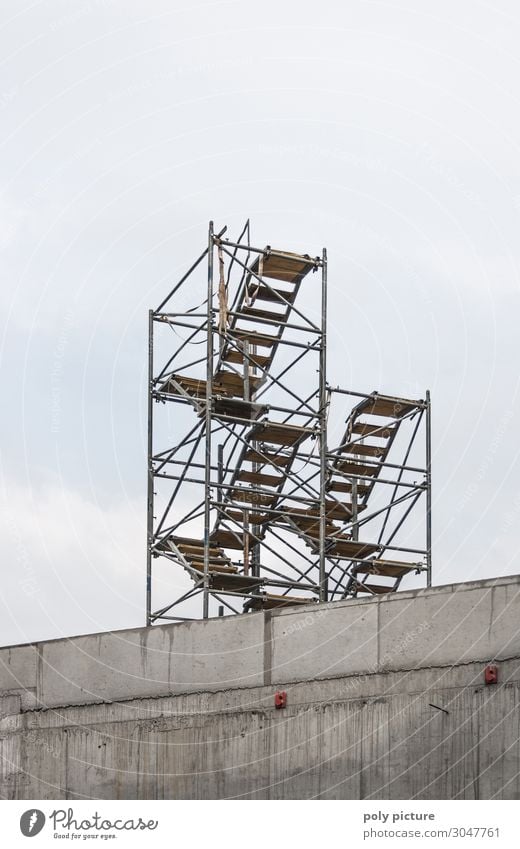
[191,386]
[279,434]
[388,568]
[262,293]
[235,583]
[231,539]
[271,601]
[372,589]
[257,498]
[230,383]
[263,315]
[366,429]
[189,542]
[254,337]
[223,565]
[252,517]
[381,405]
[238,357]
[259,478]
[237,409]
[366,450]
[345,486]
[266,457]
[349,548]
[226,383]
[283,265]
[348,467]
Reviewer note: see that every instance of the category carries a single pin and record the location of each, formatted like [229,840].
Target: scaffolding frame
[238,473]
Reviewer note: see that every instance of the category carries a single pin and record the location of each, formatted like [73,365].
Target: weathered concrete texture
[191,711]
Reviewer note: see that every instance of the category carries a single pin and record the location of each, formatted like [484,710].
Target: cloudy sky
[387,132]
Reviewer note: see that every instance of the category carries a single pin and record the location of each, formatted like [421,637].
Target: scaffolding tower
[244,494]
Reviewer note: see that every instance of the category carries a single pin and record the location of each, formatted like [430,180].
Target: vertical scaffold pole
[323,427]
[428,490]
[209,391]
[149,527]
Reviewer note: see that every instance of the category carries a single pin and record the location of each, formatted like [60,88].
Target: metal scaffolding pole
[323,430]
[207,419]
[428,489]
[150,481]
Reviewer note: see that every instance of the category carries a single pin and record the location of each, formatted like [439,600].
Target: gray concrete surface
[186,711]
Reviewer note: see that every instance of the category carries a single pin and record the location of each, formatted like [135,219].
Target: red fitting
[280,700]
[491,674]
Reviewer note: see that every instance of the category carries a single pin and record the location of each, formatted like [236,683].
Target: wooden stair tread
[246,495]
[372,589]
[348,467]
[237,409]
[379,431]
[253,518]
[266,458]
[363,449]
[263,293]
[254,337]
[346,486]
[381,405]
[270,601]
[224,383]
[350,548]
[233,356]
[223,568]
[388,568]
[259,478]
[235,583]
[279,434]
[283,265]
[231,383]
[232,539]
[191,386]
[193,543]
[262,315]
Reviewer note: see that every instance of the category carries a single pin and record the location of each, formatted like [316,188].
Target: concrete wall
[189,711]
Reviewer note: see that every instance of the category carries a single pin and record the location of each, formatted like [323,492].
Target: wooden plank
[260,479]
[365,450]
[245,495]
[263,315]
[271,601]
[262,293]
[279,434]
[351,468]
[252,517]
[346,486]
[231,383]
[235,583]
[283,265]
[392,408]
[366,429]
[232,539]
[351,548]
[254,337]
[266,457]
[372,589]
[238,357]
[388,568]
[238,409]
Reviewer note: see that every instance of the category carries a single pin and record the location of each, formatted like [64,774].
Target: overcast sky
[387,132]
